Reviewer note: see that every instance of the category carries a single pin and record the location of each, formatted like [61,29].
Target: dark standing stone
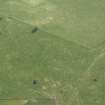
[34,29]
[34,82]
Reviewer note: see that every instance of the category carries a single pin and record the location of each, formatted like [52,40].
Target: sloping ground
[52,52]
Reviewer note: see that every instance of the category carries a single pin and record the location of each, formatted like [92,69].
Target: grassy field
[52,52]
